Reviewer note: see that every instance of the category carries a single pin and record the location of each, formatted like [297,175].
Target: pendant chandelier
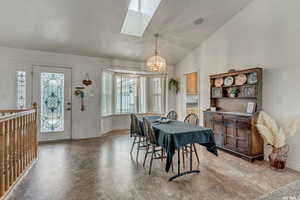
[157,63]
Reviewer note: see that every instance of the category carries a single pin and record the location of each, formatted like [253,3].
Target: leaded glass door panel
[53,95]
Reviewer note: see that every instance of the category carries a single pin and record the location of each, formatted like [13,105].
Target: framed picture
[251,107]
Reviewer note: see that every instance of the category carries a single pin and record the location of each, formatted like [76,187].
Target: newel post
[2,146]
[35,107]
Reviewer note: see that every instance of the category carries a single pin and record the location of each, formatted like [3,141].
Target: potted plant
[174,84]
[233,92]
[275,136]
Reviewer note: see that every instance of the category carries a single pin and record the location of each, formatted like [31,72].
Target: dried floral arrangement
[272,133]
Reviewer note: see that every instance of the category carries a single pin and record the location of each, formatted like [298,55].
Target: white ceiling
[92,27]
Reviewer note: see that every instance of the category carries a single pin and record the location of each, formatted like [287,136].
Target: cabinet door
[207,120]
[230,131]
[218,126]
[243,137]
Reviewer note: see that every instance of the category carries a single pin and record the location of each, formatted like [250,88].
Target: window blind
[125,94]
[107,93]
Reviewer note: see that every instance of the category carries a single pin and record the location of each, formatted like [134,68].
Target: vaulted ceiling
[92,27]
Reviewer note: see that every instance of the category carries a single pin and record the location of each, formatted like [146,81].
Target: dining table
[174,135]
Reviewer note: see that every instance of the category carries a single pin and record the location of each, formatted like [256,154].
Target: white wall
[264,34]
[86,124]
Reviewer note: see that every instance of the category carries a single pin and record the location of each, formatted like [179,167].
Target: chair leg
[153,151]
[186,150]
[162,154]
[146,154]
[183,157]
[138,149]
[133,145]
[196,153]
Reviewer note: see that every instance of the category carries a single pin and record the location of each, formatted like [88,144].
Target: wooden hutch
[234,128]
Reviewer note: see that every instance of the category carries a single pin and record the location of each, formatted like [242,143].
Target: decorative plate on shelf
[219,82]
[216,92]
[240,79]
[228,81]
[249,91]
[252,78]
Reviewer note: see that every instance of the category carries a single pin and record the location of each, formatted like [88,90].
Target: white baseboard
[293,165]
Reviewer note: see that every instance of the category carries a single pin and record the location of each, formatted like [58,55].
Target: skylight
[139,15]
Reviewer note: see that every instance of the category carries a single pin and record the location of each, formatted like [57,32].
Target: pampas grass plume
[274,135]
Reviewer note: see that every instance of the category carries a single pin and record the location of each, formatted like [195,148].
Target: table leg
[183,158]
[191,158]
[191,171]
[178,161]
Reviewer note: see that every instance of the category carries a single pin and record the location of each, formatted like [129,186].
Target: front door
[52,93]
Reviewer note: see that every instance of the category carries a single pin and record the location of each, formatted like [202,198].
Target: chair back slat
[192,119]
[134,125]
[150,134]
[172,115]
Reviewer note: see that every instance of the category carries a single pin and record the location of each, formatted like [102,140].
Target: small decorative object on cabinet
[233,91]
[234,129]
[213,109]
[250,107]
[275,136]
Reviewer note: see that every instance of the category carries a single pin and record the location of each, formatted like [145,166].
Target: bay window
[131,93]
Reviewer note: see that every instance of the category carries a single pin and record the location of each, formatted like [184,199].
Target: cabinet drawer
[230,118]
[237,118]
[217,117]
[243,125]
[244,119]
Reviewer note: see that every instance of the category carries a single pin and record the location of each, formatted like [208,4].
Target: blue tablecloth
[175,134]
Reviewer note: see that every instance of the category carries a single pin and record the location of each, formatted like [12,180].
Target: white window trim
[138,92]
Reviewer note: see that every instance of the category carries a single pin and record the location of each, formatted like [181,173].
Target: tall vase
[278,158]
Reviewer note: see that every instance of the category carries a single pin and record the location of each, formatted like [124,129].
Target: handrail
[17,114]
[18,145]
[17,110]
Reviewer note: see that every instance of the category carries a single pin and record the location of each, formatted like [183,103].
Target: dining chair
[193,119]
[152,148]
[136,132]
[172,115]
